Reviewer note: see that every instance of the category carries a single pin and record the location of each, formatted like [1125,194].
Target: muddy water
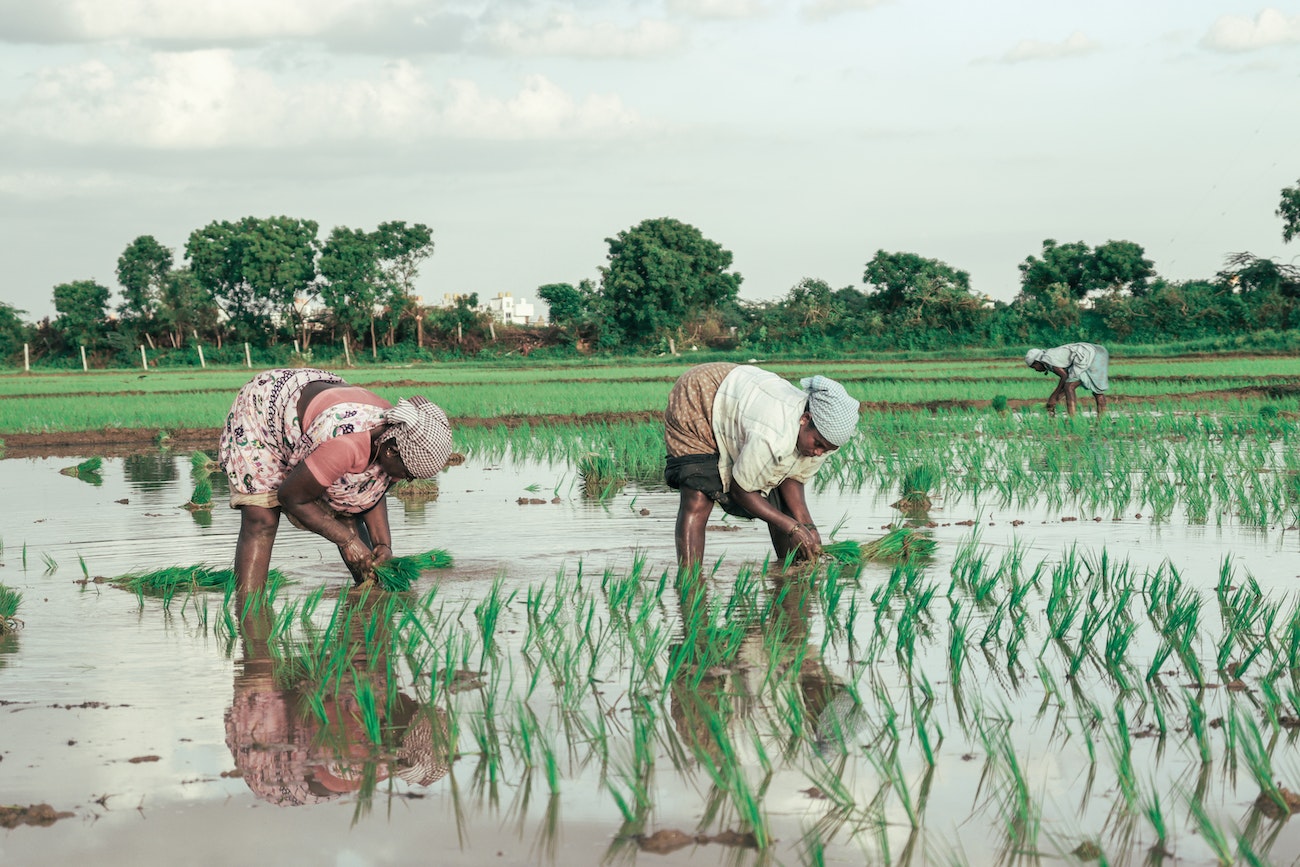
[162,737]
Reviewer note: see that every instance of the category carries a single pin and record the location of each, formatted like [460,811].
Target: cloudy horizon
[801,136]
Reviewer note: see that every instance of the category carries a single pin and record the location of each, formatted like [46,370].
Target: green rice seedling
[10,600]
[88,467]
[1210,832]
[600,475]
[202,464]
[166,581]
[1258,760]
[201,499]
[85,570]
[398,574]
[51,565]
[899,545]
[915,488]
[1197,723]
[998,403]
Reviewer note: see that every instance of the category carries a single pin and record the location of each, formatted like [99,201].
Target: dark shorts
[700,473]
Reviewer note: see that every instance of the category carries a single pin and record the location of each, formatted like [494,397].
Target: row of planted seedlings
[1031,692]
[1208,467]
[861,698]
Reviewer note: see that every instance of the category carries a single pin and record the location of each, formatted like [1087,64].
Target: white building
[514,311]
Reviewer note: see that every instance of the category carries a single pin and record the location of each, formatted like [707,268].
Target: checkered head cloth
[833,411]
[422,434]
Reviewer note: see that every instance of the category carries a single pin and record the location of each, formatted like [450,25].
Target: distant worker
[748,440]
[304,442]
[1077,364]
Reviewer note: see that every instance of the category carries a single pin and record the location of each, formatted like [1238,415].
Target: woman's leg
[257,526]
[692,518]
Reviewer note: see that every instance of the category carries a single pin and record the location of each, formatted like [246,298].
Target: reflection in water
[8,647]
[294,745]
[150,468]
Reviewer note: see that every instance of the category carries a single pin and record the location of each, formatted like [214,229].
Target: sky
[801,135]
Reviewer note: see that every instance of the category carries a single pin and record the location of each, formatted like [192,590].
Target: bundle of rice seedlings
[202,464]
[845,551]
[88,467]
[9,602]
[900,545]
[600,475]
[415,490]
[915,489]
[201,498]
[399,573]
[173,578]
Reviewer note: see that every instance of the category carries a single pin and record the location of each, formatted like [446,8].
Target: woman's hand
[382,553]
[806,540]
[360,559]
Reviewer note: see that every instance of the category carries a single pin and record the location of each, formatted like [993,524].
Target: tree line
[271,283]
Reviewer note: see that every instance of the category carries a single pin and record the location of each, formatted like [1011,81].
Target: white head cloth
[422,434]
[834,412]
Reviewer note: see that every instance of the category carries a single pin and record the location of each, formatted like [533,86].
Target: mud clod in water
[42,815]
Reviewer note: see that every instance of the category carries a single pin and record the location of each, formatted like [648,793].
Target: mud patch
[40,815]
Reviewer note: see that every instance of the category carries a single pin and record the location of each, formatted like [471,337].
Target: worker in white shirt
[748,440]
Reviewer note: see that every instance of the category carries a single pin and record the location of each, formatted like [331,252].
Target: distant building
[511,310]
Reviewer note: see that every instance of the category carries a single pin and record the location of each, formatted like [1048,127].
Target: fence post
[144,359]
[248,359]
[27,358]
[347,354]
[84,367]
[203,364]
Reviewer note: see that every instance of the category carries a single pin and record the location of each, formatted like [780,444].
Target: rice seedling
[399,573]
[600,475]
[1210,832]
[202,464]
[201,499]
[51,565]
[164,582]
[86,468]
[915,488]
[415,491]
[10,600]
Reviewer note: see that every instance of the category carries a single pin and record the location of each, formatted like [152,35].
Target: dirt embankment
[117,442]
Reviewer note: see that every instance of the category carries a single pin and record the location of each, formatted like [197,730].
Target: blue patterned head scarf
[834,412]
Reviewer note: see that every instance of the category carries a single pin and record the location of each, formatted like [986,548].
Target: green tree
[262,272]
[1119,265]
[13,331]
[1067,265]
[901,280]
[661,274]
[350,264]
[566,302]
[185,307]
[82,313]
[1082,269]
[142,270]
[1289,210]
[402,249]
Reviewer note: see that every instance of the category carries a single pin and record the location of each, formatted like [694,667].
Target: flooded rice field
[1051,686]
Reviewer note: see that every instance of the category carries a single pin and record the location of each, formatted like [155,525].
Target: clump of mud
[42,815]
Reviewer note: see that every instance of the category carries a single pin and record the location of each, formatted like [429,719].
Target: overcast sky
[802,136]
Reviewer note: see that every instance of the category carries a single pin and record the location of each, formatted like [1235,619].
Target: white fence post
[144,359]
[248,359]
[84,367]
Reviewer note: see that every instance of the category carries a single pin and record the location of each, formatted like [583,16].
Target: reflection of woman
[1086,364]
[305,442]
[287,756]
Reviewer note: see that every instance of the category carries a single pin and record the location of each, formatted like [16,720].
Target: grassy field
[49,402]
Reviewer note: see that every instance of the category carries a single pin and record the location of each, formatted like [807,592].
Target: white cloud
[1032,49]
[186,20]
[562,34]
[719,10]
[1270,27]
[820,10]
[204,100]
